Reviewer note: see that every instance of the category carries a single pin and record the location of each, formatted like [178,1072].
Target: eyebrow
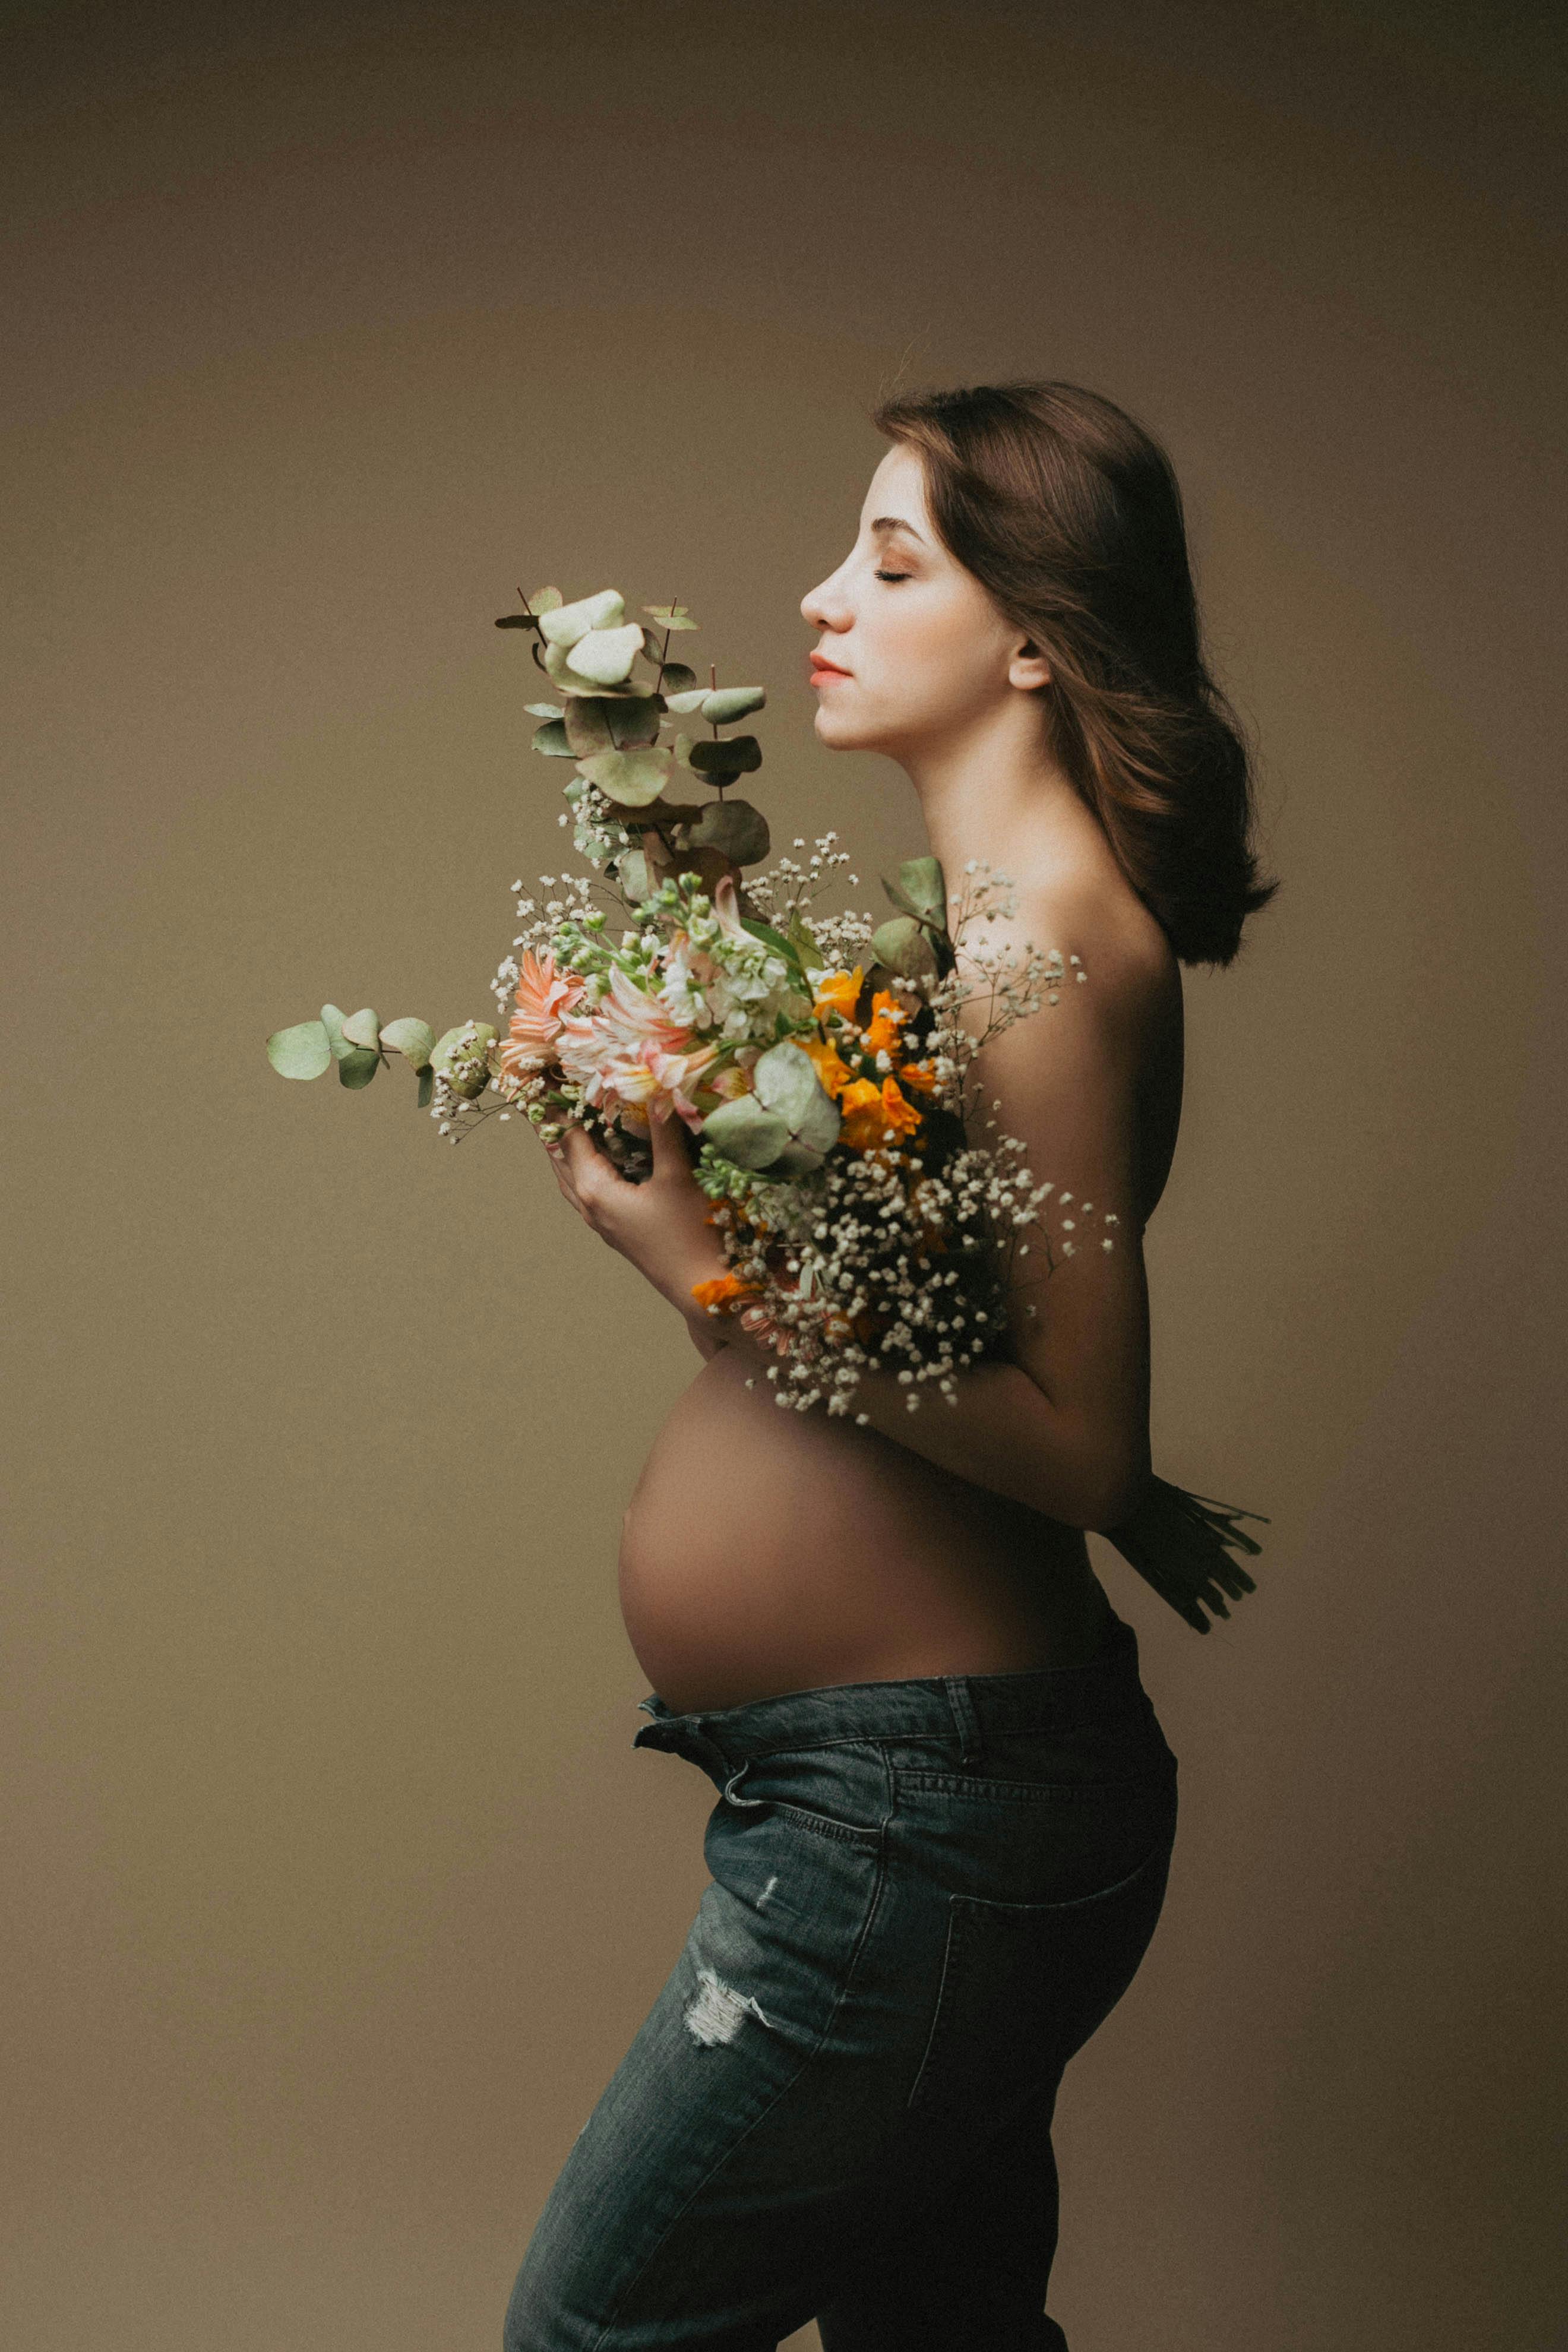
[896,522]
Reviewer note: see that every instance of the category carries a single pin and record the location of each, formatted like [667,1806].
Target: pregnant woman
[945,1806]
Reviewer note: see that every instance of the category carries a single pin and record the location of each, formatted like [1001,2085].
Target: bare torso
[766,1550]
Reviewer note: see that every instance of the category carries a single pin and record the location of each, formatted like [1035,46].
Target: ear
[1029,668]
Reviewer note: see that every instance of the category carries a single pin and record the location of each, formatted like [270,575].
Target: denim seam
[871,1910]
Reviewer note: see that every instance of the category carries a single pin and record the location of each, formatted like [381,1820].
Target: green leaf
[677,679]
[544,600]
[671,617]
[633,876]
[681,747]
[302,1052]
[634,722]
[515,621]
[727,755]
[744,1130]
[687,700]
[545,710]
[632,778]
[413,1039]
[787,1082]
[563,625]
[765,931]
[427,1088]
[923,887]
[805,941]
[362,1029]
[736,828]
[551,740]
[359,1067]
[333,1022]
[560,673]
[728,703]
[587,727]
[607,655]
[903,944]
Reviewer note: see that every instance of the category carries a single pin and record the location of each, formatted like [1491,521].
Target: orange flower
[834,1072]
[869,1109]
[839,993]
[724,1291]
[918,1076]
[887,1017]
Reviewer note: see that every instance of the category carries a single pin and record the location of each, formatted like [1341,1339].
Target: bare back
[766,1550]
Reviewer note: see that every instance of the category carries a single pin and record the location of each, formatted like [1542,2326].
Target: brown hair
[1069,514]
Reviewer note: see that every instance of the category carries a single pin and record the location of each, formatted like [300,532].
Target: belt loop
[966,1720]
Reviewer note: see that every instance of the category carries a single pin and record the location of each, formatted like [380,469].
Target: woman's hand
[662,1225]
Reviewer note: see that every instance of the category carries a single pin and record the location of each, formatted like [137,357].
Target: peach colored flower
[543,996]
[627,1048]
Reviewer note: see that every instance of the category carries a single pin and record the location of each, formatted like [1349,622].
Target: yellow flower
[724,1291]
[834,1072]
[887,1017]
[867,1110]
[839,993]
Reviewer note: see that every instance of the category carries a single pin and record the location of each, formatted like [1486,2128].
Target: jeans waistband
[1046,1698]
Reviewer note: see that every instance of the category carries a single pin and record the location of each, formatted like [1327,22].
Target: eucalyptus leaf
[633,724]
[728,703]
[427,1087]
[302,1052]
[359,1067]
[727,755]
[606,655]
[681,747]
[413,1039]
[563,625]
[632,874]
[545,710]
[785,1081]
[362,1028]
[671,617]
[515,621]
[333,1022]
[632,778]
[924,887]
[544,600]
[736,827]
[677,679]
[744,1130]
[560,673]
[903,944]
[687,700]
[587,727]
[551,740]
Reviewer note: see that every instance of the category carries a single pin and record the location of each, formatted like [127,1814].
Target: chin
[838,733]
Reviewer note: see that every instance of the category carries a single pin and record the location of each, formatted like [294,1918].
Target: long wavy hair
[1069,514]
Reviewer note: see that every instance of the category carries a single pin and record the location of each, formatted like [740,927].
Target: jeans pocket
[1024,1985]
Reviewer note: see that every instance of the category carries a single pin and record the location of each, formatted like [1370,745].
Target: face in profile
[913,656]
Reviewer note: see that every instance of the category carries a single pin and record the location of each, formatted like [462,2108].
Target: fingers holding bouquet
[662,1227]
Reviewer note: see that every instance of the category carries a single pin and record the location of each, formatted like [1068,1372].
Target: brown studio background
[333,1887]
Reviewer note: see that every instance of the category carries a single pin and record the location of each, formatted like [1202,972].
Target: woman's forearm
[1001,1433]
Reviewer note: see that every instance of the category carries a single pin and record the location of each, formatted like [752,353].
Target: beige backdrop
[333,1887]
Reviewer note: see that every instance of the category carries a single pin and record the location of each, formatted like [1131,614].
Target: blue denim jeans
[924,1896]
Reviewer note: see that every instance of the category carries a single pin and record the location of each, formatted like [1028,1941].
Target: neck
[995,793]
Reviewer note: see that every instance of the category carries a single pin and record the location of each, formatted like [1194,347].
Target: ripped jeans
[924,1897]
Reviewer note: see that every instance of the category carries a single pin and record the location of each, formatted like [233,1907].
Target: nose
[824,606]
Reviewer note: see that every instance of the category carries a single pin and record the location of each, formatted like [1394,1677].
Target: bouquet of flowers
[821,1064]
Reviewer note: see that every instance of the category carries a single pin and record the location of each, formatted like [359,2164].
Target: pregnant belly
[766,1550]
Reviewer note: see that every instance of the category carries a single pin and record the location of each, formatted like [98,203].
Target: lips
[821,667]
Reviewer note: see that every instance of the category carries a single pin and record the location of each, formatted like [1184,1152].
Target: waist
[1104,1692]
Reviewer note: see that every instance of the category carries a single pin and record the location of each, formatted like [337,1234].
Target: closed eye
[892,575]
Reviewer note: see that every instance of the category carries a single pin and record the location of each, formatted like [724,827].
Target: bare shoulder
[1130,984]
